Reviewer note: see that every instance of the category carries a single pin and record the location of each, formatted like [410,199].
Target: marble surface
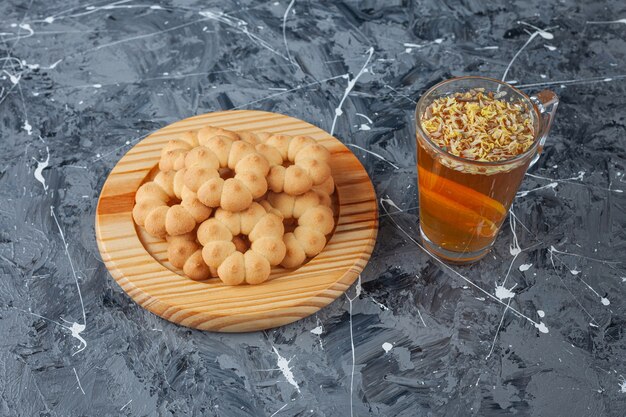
[82,82]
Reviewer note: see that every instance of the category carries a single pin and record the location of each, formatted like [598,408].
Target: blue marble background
[82,82]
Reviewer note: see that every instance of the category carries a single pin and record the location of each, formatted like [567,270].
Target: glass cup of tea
[469,171]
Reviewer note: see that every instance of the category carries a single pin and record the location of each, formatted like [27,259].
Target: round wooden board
[139,263]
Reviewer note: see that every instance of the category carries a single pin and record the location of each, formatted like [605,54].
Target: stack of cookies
[222,200]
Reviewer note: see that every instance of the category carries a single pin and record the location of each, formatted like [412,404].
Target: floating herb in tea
[478,126]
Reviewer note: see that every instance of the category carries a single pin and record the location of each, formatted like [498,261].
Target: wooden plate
[139,263]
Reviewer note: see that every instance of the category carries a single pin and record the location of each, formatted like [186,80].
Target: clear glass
[463,203]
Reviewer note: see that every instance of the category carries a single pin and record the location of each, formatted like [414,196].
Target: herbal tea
[466,190]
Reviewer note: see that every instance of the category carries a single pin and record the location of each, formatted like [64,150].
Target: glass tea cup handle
[546,102]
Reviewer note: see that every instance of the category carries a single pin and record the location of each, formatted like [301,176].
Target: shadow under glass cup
[463,202]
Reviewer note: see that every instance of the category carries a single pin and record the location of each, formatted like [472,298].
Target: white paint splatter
[112,6]
[381,305]
[349,87]
[357,294]
[364,127]
[374,154]
[486,48]
[97,85]
[495,337]
[525,267]
[297,88]
[387,347]
[317,330]
[27,127]
[41,165]
[49,19]
[574,272]
[240,26]
[606,22]
[605,301]
[400,94]
[549,47]
[552,185]
[542,327]
[538,32]
[574,81]
[283,366]
[390,202]
[622,385]
[409,46]
[503,293]
[542,32]
[76,328]
[13,78]
[54,64]
[27,28]
[285,29]
[281,408]
[508,67]
[421,318]
[365,117]
[400,211]
[579,177]
[543,76]
[541,313]
[78,380]
[514,248]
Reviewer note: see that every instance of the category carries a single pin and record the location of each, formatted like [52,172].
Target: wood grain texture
[139,263]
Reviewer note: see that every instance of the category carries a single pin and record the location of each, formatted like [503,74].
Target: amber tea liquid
[461,210]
